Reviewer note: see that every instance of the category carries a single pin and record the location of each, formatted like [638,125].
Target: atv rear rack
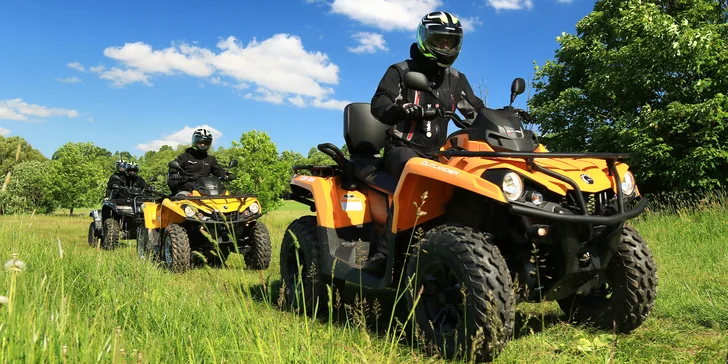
[530,157]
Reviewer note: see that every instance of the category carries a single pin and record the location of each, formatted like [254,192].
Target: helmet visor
[201,142]
[444,43]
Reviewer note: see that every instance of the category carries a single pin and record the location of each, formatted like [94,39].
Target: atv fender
[335,206]
[422,175]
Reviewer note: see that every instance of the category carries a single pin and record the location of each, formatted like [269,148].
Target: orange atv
[504,220]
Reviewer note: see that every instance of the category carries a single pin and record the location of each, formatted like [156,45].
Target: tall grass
[71,303]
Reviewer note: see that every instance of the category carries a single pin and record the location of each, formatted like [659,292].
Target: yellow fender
[422,175]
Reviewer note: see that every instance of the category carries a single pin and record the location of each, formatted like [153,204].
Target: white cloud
[16,109]
[368,43]
[298,101]
[183,136]
[4,131]
[387,15]
[76,66]
[121,78]
[69,80]
[511,4]
[280,67]
[469,23]
[331,104]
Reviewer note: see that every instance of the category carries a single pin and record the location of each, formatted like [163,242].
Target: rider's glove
[413,112]
[523,114]
[229,177]
[175,176]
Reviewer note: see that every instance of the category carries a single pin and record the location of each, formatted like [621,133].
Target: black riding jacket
[451,86]
[118,181]
[115,183]
[196,164]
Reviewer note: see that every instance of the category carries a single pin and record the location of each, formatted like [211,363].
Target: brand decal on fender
[440,168]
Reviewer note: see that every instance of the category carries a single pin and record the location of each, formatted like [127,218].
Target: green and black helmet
[201,139]
[439,37]
[132,169]
[121,166]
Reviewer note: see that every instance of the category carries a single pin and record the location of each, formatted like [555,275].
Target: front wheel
[110,234]
[93,240]
[176,249]
[259,256]
[626,294]
[461,286]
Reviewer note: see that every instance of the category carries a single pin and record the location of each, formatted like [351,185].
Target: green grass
[76,304]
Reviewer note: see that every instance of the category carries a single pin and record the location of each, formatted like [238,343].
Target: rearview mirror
[233,163]
[417,81]
[518,86]
[174,165]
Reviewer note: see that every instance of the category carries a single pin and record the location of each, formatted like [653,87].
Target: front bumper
[565,215]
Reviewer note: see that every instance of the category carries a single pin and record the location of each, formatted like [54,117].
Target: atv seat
[365,136]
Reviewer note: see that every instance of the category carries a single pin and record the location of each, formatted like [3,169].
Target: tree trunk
[71,212]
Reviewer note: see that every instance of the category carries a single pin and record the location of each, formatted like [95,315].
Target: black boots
[376,264]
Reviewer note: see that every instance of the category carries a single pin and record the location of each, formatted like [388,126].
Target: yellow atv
[209,221]
[503,221]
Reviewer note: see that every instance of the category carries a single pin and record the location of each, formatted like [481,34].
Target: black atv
[119,217]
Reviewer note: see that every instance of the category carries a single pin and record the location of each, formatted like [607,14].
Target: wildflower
[14,264]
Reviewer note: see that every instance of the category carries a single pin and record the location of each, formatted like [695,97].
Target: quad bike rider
[119,214]
[202,216]
[500,219]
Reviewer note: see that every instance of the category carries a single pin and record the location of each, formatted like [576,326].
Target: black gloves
[523,114]
[413,112]
[417,112]
[175,176]
[229,177]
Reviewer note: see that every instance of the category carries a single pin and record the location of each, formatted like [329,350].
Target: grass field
[75,304]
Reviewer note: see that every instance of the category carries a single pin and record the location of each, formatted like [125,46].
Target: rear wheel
[625,295]
[176,249]
[259,256]
[300,251]
[110,234]
[461,285]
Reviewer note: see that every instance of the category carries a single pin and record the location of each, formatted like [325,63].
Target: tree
[648,77]
[260,169]
[82,173]
[9,155]
[154,164]
[30,188]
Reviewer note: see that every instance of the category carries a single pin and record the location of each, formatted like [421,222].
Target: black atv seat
[365,136]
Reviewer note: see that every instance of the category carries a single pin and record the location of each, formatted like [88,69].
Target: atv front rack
[585,217]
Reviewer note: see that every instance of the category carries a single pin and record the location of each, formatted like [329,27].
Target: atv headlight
[189,211]
[512,186]
[628,183]
[254,207]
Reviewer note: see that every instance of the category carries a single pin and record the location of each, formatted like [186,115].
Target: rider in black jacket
[133,179]
[439,37]
[116,180]
[196,163]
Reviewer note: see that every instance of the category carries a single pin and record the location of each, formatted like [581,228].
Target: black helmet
[439,37]
[121,166]
[132,169]
[201,139]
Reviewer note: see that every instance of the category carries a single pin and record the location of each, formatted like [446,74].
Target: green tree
[9,155]
[154,164]
[30,188]
[260,169]
[647,77]
[82,173]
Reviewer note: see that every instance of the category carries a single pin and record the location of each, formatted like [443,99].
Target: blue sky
[134,75]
